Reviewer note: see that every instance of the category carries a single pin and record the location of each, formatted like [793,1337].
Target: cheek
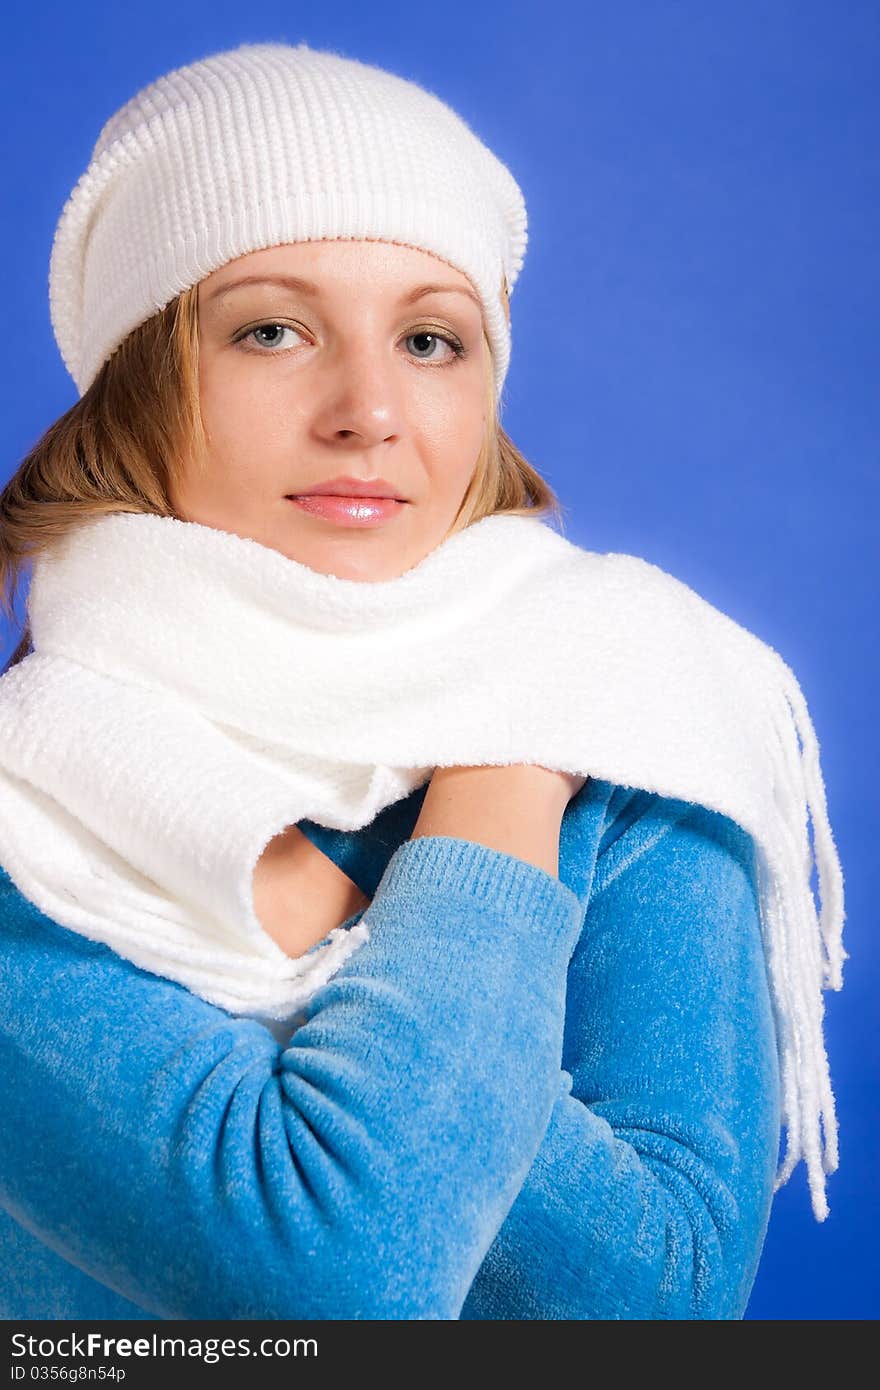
[219,395]
[454,421]
[243,408]
[244,439]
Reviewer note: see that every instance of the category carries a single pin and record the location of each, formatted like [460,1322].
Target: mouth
[340,510]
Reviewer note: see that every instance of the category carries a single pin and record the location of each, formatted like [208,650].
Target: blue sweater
[522,1098]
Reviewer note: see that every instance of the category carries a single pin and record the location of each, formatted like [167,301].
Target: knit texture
[116,749]
[264,144]
[521,1098]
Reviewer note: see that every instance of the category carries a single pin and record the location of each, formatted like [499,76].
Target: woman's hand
[300,894]
[516,809]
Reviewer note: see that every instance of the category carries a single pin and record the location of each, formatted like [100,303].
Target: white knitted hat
[263,144]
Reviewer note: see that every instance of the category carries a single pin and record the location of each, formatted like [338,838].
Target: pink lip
[349,511]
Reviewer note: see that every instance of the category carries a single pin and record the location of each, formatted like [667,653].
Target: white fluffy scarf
[191,693]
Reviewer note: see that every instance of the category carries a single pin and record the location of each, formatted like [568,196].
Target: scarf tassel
[805,952]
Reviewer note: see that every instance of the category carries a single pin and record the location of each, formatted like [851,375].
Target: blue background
[695,354]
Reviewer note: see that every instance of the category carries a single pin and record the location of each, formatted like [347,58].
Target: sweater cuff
[457,869]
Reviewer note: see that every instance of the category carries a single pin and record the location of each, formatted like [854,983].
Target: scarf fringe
[804,950]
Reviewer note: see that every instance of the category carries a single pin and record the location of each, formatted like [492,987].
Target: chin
[350,559]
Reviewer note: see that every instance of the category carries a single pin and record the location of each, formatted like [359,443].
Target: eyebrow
[293,282]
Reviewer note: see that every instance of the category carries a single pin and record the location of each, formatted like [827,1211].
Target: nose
[359,394]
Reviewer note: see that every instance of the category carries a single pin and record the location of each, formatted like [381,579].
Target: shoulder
[641,825]
[611,830]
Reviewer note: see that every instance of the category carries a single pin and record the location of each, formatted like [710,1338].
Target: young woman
[389,1021]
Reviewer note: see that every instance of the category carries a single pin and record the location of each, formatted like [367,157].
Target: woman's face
[350,372]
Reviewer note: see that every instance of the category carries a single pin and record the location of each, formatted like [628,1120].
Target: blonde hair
[125,445]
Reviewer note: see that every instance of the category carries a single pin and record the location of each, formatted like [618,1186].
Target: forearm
[631,1218]
[516,810]
[273,1183]
[300,895]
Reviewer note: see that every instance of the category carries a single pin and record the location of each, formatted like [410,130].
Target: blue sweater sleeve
[650,1195]
[186,1160]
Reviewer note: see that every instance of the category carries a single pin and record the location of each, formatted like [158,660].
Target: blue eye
[263,327]
[428,336]
[426,333]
